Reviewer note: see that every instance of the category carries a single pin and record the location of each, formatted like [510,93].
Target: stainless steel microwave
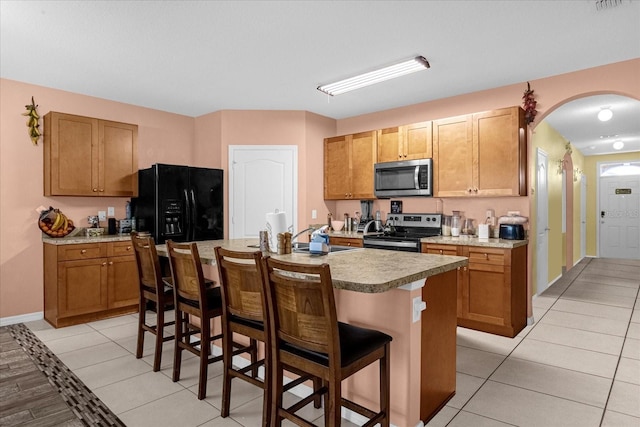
[406,178]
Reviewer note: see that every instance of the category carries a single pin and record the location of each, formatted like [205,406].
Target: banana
[58,222]
[65,224]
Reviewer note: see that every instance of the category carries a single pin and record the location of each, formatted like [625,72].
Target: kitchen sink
[301,247]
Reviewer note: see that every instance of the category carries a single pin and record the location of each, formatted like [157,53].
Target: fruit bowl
[54,223]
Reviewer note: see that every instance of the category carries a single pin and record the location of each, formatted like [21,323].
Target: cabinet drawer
[346,241]
[436,249]
[120,249]
[81,251]
[486,256]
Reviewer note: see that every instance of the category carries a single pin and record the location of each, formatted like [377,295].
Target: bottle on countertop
[127,210]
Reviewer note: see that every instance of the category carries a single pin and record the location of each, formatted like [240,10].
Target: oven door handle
[391,244]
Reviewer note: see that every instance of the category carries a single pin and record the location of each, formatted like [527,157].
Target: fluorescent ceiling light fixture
[618,145]
[605,114]
[403,68]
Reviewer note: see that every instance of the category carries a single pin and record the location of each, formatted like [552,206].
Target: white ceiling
[196,57]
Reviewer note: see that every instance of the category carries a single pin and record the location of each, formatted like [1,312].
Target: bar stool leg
[157,358]
[205,337]
[142,316]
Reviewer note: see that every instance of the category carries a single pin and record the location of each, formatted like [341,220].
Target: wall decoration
[529,104]
[33,122]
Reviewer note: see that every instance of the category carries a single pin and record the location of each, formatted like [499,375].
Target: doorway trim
[542,262]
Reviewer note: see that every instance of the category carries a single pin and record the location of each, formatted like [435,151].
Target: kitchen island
[386,290]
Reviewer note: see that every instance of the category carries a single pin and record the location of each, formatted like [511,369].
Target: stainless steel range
[404,231]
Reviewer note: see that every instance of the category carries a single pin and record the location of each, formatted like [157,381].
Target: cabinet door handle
[469,190]
[464,268]
[486,256]
[475,190]
[102,190]
[83,251]
[110,262]
[95,190]
[104,264]
[128,248]
[441,252]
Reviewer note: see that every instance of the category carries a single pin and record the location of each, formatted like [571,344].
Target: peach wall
[217,131]
[162,137]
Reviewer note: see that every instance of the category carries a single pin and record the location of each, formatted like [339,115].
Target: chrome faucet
[300,232]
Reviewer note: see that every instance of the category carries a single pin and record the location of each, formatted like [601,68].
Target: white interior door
[261,179]
[542,222]
[583,216]
[619,215]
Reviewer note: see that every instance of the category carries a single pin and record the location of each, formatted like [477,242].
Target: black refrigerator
[179,203]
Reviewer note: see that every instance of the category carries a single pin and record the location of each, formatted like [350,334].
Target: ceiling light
[618,145]
[406,67]
[605,114]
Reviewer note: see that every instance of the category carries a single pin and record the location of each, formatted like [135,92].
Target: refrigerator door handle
[194,215]
[187,219]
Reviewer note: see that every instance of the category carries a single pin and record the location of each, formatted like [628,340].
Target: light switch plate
[102,215]
[111,211]
[314,214]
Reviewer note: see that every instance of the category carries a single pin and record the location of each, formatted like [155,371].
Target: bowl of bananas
[54,223]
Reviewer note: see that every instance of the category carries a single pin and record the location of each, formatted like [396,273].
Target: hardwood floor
[37,389]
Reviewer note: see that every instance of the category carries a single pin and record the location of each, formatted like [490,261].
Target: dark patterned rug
[37,389]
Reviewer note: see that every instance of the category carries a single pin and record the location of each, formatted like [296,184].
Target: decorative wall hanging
[529,104]
[33,122]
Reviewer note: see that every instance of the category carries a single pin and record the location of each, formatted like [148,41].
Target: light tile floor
[577,365]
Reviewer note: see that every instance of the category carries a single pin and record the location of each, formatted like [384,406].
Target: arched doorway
[575,122]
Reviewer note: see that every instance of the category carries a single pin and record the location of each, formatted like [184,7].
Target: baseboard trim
[22,318]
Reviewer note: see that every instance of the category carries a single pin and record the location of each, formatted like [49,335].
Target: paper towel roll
[276,223]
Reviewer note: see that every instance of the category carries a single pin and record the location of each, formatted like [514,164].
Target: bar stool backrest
[301,307]
[186,270]
[148,263]
[241,283]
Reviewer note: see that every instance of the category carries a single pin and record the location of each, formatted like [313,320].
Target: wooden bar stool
[243,312]
[305,334]
[192,297]
[153,287]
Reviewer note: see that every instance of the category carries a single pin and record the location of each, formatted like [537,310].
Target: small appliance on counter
[511,226]
[512,231]
[364,216]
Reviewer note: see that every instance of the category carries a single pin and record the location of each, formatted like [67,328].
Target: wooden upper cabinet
[407,142]
[499,139]
[363,158]
[389,145]
[348,166]
[84,156]
[337,178]
[453,156]
[483,154]
[417,141]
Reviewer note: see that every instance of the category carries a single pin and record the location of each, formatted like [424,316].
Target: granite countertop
[475,241]
[360,270]
[80,238]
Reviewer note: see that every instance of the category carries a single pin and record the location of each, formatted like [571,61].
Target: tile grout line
[615,372]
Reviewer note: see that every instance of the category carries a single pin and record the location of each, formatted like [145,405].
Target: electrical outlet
[102,215]
[314,214]
[111,211]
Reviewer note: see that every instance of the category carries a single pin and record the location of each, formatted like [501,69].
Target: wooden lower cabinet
[346,241]
[492,290]
[86,282]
